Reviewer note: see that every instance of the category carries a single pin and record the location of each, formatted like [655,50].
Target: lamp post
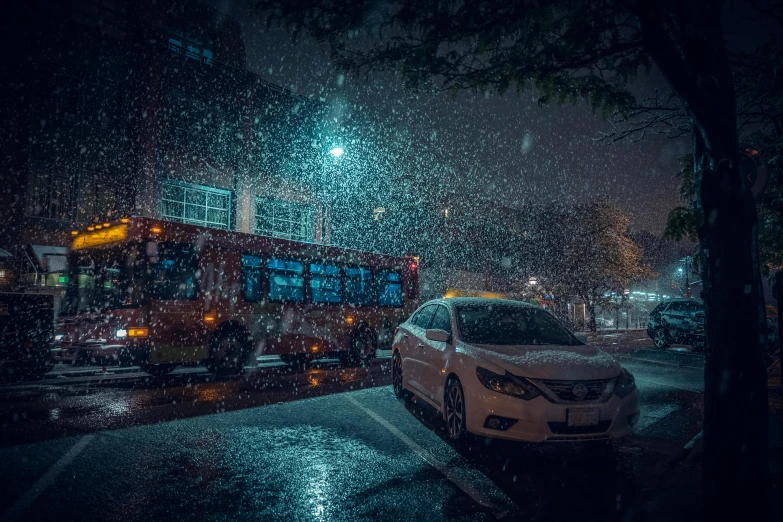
[336,152]
[686,271]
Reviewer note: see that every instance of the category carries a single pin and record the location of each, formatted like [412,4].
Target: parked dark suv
[679,321]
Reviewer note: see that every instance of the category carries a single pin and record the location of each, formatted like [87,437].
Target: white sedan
[505,369]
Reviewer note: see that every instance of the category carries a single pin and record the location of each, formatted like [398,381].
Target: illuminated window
[359,289]
[283,219]
[195,204]
[325,284]
[286,280]
[389,288]
[191,46]
[252,289]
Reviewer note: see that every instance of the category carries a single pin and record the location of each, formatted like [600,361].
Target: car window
[442,319]
[511,324]
[675,307]
[423,318]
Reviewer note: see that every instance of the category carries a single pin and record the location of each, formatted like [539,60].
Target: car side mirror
[581,337]
[437,335]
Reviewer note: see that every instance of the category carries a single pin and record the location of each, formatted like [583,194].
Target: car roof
[477,301]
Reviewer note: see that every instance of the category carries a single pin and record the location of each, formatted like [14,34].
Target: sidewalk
[677,493]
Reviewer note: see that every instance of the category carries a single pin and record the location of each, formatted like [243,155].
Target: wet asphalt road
[326,443]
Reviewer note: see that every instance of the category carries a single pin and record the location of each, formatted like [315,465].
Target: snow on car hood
[546,362]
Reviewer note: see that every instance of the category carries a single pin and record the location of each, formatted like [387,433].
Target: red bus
[160,293]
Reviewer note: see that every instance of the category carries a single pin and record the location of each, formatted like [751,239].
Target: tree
[592,50]
[585,252]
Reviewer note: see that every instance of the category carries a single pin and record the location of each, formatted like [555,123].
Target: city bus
[160,294]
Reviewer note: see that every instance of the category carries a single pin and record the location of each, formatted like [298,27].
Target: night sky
[507,148]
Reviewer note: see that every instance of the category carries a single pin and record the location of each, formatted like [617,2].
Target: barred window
[195,204]
[50,192]
[283,219]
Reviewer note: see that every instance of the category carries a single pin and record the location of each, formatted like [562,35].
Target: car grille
[564,390]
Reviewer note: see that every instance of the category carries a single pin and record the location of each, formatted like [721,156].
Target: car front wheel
[455,410]
[399,391]
[661,339]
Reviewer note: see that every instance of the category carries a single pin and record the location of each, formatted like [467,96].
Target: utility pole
[687,284]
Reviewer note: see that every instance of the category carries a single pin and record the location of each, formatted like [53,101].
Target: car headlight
[625,384]
[59,337]
[507,384]
[121,333]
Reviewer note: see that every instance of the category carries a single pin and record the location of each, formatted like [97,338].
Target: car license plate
[583,416]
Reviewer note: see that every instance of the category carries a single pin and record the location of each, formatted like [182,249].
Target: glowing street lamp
[337,152]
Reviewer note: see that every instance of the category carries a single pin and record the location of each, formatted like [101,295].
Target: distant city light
[337,152]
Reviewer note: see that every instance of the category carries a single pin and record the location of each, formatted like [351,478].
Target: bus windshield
[106,279]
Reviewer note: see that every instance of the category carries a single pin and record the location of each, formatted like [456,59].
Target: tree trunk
[695,62]
[735,398]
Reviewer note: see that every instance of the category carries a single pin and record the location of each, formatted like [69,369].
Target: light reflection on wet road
[280,444]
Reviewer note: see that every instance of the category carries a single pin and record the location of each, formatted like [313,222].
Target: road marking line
[692,442]
[472,492]
[26,500]
[654,415]
[659,362]
[666,384]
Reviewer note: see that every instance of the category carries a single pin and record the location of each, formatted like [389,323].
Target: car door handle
[420,345]
[405,335]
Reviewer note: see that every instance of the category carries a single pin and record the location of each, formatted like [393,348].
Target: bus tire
[228,350]
[363,346]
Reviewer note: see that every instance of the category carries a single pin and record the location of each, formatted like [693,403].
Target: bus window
[325,283]
[359,287]
[175,274]
[251,278]
[389,288]
[286,280]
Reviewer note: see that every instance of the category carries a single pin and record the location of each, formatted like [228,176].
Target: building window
[50,192]
[283,219]
[188,44]
[195,204]
[107,15]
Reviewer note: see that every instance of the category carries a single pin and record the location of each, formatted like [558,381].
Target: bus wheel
[228,351]
[363,345]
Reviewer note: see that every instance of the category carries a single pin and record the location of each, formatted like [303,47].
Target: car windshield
[510,325]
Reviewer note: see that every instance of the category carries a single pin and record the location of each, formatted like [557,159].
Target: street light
[336,152]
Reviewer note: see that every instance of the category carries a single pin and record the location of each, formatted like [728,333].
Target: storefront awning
[50,258]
